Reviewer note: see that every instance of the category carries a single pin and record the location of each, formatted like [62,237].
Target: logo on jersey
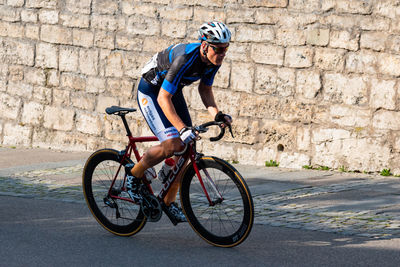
[169,130]
[144,101]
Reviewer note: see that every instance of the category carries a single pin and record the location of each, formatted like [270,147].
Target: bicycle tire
[236,211]
[98,173]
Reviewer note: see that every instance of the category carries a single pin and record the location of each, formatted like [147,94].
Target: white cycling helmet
[214,32]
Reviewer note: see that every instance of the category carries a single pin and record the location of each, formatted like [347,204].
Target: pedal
[166,211]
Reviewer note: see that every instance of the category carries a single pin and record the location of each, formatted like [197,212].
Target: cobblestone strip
[54,171]
[41,190]
[275,209]
[34,184]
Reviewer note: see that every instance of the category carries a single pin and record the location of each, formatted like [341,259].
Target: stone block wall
[308,82]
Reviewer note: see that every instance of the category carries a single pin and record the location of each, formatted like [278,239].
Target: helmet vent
[215,32]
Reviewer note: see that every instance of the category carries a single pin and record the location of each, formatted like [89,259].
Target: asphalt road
[37,232]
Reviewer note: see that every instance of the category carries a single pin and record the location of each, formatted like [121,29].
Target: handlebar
[204,128]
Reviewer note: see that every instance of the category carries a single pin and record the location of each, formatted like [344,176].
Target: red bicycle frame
[181,162]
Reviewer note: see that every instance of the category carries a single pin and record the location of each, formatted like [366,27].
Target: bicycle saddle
[118,110]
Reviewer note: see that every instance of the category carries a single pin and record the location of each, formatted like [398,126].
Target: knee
[173,146]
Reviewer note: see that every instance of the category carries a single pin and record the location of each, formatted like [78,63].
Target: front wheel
[225,218]
[116,215]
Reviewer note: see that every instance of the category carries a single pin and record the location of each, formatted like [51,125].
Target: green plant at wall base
[235,161]
[323,168]
[386,172]
[307,167]
[271,163]
[342,169]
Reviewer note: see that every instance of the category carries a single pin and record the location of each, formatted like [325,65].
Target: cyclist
[163,106]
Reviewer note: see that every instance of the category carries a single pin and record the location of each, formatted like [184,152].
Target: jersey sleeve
[175,73]
[208,77]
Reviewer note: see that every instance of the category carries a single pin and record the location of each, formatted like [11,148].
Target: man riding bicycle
[163,106]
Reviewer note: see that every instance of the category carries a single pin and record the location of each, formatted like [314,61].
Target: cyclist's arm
[207,96]
[164,99]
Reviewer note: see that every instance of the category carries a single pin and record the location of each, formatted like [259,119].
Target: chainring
[151,208]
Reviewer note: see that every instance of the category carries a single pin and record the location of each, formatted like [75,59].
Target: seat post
[128,131]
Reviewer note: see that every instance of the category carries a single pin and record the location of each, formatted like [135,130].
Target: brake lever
[201,129]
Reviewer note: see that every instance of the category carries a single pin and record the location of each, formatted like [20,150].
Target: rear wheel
[117,216]
[228,220]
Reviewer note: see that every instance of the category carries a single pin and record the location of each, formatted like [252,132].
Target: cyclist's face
[217,52]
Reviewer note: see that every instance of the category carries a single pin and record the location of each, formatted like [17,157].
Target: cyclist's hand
[187,135]
[225,118]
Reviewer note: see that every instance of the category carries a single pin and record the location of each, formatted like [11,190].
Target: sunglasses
[219,49]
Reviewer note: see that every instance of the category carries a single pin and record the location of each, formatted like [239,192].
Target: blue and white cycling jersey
[177,66]
[171,69]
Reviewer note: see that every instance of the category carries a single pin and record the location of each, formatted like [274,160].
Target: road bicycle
[214,196]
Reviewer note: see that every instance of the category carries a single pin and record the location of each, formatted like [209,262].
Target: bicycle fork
[210,182]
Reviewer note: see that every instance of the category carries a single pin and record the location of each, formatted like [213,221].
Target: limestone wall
[316,78]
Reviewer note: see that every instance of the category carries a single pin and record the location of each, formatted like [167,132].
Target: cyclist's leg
[181,108]
[159,125]
[173,191]
[158,153]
